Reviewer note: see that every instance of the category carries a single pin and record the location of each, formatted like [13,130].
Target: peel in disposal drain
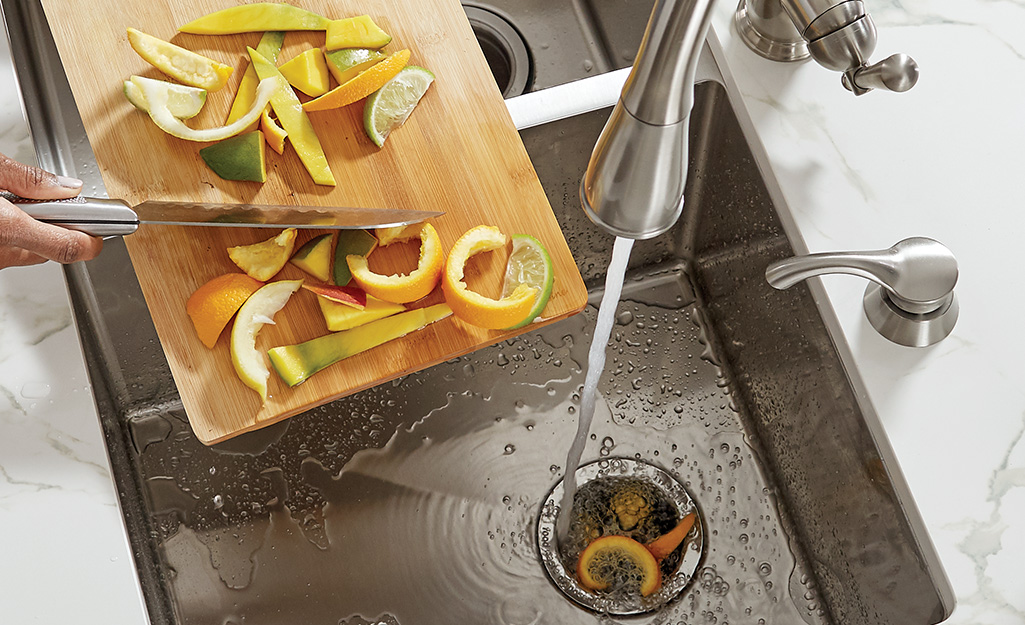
[634,541]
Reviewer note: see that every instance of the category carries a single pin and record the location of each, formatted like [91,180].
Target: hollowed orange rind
[472,307]
[403,288]
[610,554]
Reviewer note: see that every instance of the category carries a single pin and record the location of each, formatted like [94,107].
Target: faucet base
[772,35]
[909,329]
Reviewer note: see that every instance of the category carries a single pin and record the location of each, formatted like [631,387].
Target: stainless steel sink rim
[566,582]
[56,126]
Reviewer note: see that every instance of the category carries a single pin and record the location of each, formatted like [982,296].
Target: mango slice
[355,32]
[344,317]
[345,64]
[296,363]
[295,122]
[314,257]
[307,72]
[269,46]
[358,242]
[257,17]
[242,157]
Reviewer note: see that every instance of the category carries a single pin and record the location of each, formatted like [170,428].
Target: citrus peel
[365,83]
[212,305]
[403,288]
[472,307]
[616,558]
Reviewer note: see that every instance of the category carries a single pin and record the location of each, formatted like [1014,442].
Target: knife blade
[111,217]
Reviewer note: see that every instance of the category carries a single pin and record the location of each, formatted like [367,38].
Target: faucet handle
[894,73]
[910,299]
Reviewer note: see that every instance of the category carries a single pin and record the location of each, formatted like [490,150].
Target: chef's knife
[103,217]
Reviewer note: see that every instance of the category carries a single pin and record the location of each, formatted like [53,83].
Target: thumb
[34,183]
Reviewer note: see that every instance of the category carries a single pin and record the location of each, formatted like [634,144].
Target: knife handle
[99,217]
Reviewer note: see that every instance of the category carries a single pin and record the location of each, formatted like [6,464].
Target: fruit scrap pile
[361,308]
[267,108]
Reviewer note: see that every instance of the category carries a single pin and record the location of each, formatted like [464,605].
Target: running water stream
[595,366]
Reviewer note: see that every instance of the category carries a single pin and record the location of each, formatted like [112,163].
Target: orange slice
[400,288]
[472,307]
[365,83]
[612,559]
[212,305]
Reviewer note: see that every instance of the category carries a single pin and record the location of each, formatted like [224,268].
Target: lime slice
[389,107]
[183,102]
[530,264]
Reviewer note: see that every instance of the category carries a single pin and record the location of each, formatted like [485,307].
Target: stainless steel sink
[416,502]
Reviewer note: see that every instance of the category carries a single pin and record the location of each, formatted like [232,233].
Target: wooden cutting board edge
[571,299]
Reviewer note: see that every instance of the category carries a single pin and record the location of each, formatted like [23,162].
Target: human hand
[25,241]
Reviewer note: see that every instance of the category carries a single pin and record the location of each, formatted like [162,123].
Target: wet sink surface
[416,502]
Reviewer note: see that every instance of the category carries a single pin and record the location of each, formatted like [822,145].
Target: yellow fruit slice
[340,316]
[258,311]
[307,72]
[256,17]
[265,259]
[183,65]
[402,289]
[213,305]
[269,46]
[295,122]
[617,557]
[242,157]
[296,363]
[365,83]
[355,32]
[315,257]
[274,134]
[345,64]
[472,307]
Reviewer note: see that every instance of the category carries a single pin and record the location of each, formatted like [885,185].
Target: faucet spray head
[634,183]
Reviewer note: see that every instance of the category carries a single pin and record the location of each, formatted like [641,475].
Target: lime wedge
[389,107]
[530,264]
[183,101]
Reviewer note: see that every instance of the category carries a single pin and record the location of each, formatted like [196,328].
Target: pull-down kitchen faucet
[633,186]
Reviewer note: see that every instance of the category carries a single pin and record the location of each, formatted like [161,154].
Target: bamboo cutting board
[459,152]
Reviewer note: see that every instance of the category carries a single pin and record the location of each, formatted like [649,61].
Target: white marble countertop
[942,160]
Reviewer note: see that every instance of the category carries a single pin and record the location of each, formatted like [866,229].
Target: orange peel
[213,305]
[472,307]
[364,83]
[609,555]
[403,288]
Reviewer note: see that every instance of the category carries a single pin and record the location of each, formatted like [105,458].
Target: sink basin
[417,501]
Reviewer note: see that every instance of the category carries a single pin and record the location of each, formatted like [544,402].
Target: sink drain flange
[670,492]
